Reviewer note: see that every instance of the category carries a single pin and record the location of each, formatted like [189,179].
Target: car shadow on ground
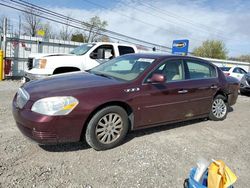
[245,95]
[152,130]
[68,147]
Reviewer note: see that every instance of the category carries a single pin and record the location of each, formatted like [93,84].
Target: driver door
[164,102]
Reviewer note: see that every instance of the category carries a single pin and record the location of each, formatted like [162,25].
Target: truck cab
[81,58]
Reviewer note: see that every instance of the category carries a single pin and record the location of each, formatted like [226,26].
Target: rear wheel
[107,128]
[219,108]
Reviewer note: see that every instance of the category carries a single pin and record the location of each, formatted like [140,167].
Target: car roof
[162,56]
[157,55]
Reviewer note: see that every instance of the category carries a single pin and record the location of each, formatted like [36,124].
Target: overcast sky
[162,21]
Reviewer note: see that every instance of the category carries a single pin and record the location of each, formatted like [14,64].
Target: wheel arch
[59,70]
[223,93]
[121,104]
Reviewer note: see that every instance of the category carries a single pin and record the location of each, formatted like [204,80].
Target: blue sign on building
[180,47]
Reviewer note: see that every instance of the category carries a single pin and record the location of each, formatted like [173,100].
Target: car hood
[42,55]
[63,58]
[66,84]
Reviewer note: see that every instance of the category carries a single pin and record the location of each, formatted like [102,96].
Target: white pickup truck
[81,58]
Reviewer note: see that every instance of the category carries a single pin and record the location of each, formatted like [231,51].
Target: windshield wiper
[103,75]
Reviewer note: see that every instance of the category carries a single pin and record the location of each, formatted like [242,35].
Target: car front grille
[30,63]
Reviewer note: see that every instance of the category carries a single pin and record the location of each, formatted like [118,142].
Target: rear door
[201,84]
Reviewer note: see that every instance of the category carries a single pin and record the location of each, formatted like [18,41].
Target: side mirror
[157,78]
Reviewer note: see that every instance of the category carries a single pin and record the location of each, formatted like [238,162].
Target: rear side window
[125,50]
[200,70]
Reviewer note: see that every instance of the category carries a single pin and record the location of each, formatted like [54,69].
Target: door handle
[214,87]
[182,91]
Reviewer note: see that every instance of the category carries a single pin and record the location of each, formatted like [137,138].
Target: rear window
[125,50]
[225,68]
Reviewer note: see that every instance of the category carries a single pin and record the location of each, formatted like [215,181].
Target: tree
[78,37]
[66,31]
[47,30]
[32,23]
[95,26]
[105,38]
[211,49]
[245,58]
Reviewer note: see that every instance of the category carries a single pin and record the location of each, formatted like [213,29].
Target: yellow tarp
[219,175]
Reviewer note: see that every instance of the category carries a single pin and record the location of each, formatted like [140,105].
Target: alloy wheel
[109,128]
[219,108]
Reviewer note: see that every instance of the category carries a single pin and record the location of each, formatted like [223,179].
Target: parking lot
[156,157]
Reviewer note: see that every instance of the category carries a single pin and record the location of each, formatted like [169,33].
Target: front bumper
[48,129]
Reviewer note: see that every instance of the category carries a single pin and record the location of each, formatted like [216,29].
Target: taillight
[227,74]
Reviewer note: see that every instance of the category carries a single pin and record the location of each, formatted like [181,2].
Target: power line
[180,18]
[74,26]
[136,19]
[167,20]
[81,22]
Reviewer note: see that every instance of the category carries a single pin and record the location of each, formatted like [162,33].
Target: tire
[101,133]
[219,109]
[242,92]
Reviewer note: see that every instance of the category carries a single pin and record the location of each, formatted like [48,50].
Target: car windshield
[125,68]
[80,50]
[225,68]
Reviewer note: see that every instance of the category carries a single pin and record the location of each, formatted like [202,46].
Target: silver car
[245,84]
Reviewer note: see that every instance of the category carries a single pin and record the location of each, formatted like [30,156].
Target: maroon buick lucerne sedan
[127,93]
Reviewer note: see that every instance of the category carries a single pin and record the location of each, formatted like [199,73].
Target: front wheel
[219,108]
[107,128]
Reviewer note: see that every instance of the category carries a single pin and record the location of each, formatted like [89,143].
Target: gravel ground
[158,157]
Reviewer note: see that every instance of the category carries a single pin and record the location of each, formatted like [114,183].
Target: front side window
[200,70]
[236,70]
[172,70]
[125,68]
[103,52]
[242,71]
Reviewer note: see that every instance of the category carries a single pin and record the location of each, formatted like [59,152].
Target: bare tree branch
[66,31]
[32,23]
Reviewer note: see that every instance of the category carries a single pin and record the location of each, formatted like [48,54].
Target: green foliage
[78,37]
[211,49]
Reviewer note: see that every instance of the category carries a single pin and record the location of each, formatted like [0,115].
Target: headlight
[55,106]
[22,98]
[40,63]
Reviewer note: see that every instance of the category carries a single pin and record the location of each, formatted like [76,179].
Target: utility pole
[4,36]
[20,25]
